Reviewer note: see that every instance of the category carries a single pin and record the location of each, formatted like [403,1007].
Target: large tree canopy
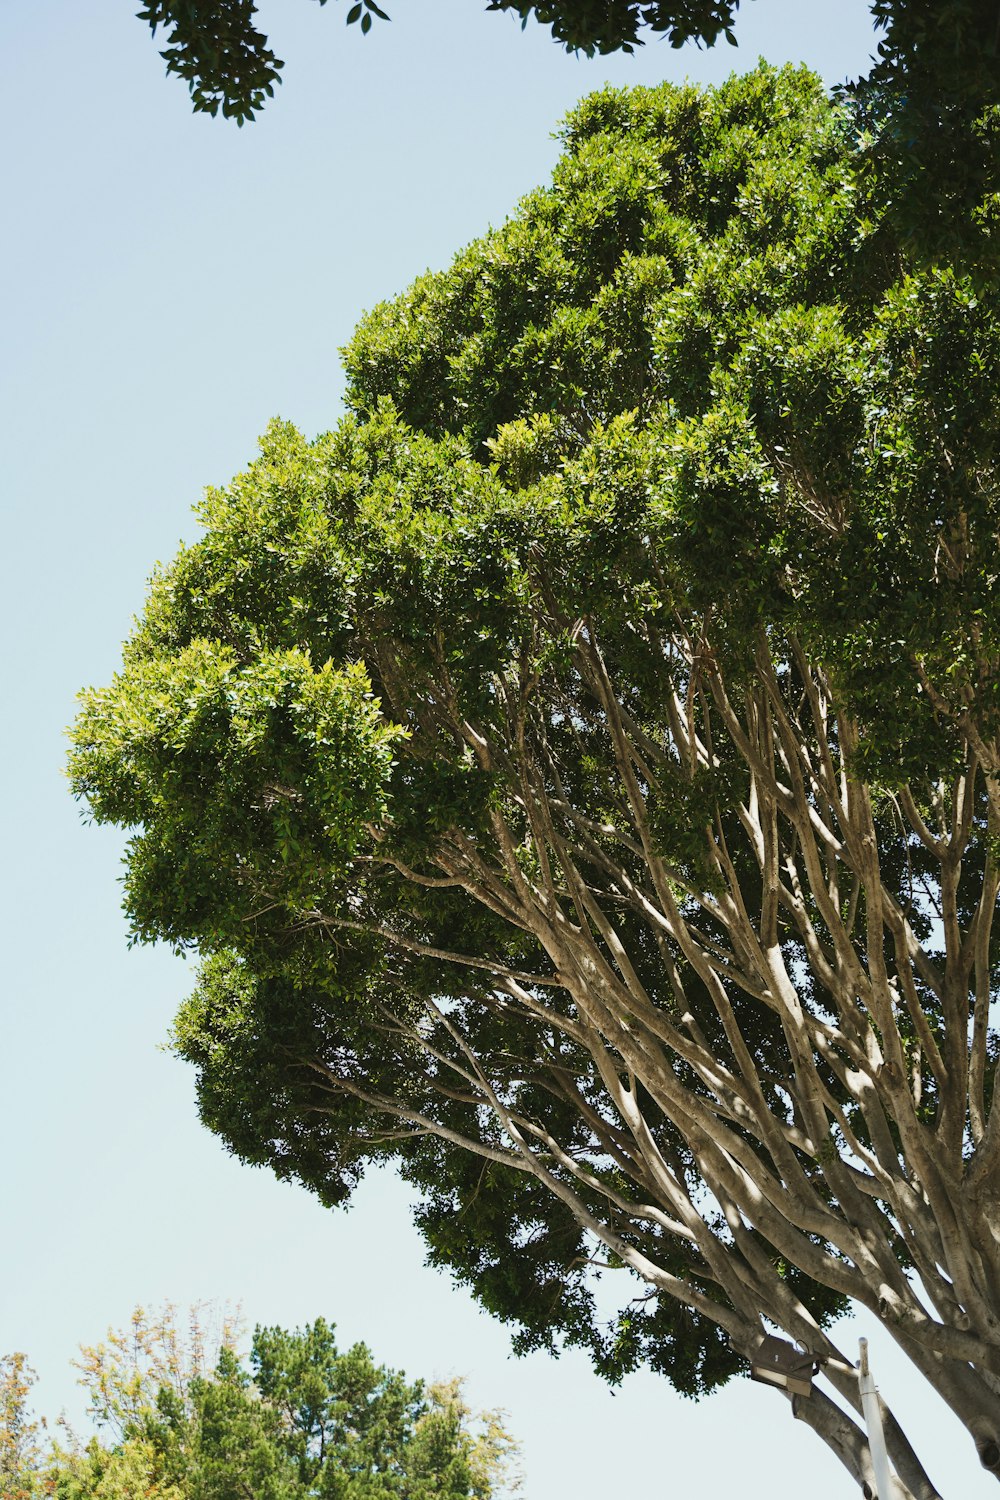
[579,771]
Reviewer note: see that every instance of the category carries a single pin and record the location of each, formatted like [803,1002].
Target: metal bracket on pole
[873,1422]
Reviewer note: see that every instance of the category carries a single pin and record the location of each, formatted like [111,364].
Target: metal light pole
[873,1422]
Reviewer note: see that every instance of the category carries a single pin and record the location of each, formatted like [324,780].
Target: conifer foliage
[182,1416]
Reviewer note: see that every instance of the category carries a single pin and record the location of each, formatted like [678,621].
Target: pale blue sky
[171,283]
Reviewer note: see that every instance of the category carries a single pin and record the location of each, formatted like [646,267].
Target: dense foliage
[299,1420]
[929,115]
[579,770]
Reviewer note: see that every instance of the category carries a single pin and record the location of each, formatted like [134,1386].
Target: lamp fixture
[789,1366]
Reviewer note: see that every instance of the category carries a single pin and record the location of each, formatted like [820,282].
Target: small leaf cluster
[226,62]
[597,26]
[218,51]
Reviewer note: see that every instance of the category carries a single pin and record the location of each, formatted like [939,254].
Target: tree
[927,113]
[930,117]
[128,1377]
[580,770]
[930,53]
[215,46]
[302,1420]
[20,1431]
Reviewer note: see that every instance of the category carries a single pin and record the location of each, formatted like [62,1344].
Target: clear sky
[170,283]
